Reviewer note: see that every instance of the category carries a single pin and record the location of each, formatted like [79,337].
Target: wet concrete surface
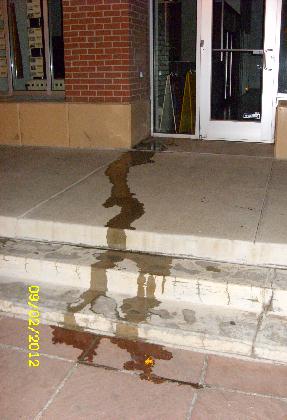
[211,195]
[137,308]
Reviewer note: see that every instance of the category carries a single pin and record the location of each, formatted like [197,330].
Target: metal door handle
[268,59]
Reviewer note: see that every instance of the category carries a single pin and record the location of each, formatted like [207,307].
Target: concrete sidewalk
[72,216]
[222,207]
[85,376]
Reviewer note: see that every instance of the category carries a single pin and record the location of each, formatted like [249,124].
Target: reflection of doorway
[214,59]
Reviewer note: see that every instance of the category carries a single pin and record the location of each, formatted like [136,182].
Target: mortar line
[204,370]
[200,382]
[84,178]
[88,349]
[202,376]
[195,386]
[264,202]
[239,391]
[57,391]
[24,350]
[192,405]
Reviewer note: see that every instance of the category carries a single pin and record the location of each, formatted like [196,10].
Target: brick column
[106,50]
[107,71]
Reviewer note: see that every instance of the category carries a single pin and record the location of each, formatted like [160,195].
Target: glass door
[238,72]
[175,67]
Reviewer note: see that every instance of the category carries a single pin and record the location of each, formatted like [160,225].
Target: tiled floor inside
[85,376]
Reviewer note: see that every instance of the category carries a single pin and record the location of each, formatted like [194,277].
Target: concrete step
[238,251]
[223,208]
[174,323]
[164,278]
[196,304]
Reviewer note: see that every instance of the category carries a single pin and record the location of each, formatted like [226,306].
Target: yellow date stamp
[33,324]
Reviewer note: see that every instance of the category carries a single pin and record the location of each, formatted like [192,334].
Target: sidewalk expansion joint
[263,203]
[24,350]
[57,391]
[84,178]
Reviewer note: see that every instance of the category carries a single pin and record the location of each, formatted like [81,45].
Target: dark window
[33,34]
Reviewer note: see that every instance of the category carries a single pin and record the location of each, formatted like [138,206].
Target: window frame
[48,60]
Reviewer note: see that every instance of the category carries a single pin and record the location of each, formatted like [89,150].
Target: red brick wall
[139,32]
[106,47]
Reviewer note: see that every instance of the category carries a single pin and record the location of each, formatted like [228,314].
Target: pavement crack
[198,291]
[25,265]
[69,187]
[56,267]
[203,370]
[227,292]
[78,273]
[266,307]
[264,201]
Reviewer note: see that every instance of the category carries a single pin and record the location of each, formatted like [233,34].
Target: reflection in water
[139,352]
[136,309]
[77,339]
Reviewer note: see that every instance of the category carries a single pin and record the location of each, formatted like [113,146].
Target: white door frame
[237,130]
[203,129]
[152,87]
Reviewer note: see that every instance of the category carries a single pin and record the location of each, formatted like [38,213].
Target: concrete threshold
[195,304]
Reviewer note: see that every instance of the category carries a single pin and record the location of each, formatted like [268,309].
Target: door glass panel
[27,44]
[175,30]
[56,44]
[237,59]
[3,52]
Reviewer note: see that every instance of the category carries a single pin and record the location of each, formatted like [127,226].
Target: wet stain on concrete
[163,313]
[189,316]
[121,195]
[136,309]
[213,269]
[98,286]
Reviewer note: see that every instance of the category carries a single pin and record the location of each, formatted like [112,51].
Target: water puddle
[77,339]
[133,309]
[143,356]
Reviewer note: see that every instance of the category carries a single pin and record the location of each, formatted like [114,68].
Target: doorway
[214,67]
